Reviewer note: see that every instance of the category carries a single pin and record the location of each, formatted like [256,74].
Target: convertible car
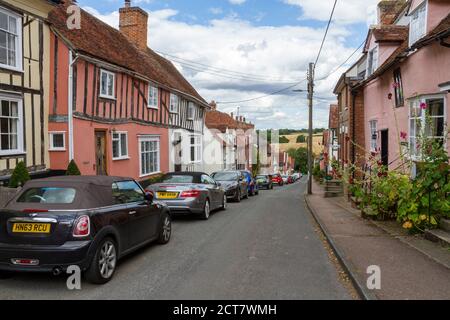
[90,222]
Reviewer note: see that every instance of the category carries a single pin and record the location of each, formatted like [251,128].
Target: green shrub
[283,139]
[72,169]
[301,139]
[19,176]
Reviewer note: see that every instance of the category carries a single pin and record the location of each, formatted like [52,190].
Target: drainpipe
[353,130]
[70,104]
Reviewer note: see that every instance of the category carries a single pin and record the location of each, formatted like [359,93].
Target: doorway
[100,153]
[385,147]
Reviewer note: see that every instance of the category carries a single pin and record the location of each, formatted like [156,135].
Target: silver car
[190,193]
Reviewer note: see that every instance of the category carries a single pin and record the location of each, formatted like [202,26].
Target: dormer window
[418,23]
[372,62]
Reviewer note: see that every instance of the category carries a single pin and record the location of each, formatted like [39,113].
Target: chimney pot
[127,3]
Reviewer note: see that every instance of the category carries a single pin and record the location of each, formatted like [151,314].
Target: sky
[237,50]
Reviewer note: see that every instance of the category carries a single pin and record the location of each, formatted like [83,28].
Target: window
[196,148]
[191,111]
[48,195]
[398,88]
[120,145]
[127,192]
[11,137]
[372,63]
[57,141]
[418,23]
[432,107]
[107,80]
[373,135]
[173,103]
[153,97]
[10,40]
[149,155]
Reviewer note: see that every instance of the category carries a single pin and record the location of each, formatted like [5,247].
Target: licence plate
[167,195]
[31,228]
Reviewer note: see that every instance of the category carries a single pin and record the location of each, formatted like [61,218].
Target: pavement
[411,267]
[267,247]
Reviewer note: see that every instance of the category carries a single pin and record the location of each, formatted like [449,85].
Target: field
[317,143]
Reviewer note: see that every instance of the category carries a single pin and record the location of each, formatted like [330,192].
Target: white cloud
[216,10]
[347,11]
[238,2]
[280,53]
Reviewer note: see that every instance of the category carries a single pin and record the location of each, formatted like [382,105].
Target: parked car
[285,179]
[264,181]
[252,186]
[277,179]
[190,193]
[234,183]
[297,176]
[90,222]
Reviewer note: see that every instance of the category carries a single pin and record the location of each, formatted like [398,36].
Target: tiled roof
[99,40]
[390,33]
[219,120]
[333,121]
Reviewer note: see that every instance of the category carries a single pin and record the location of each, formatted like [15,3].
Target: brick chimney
[133,23]
[388,11]
[213,105]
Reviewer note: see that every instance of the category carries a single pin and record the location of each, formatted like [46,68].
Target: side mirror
[149,196]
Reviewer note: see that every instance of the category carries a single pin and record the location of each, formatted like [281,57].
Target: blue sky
[271,39]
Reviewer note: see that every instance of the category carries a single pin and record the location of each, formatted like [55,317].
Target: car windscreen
[178,179]
[261,177]
[225,176]
[49,195]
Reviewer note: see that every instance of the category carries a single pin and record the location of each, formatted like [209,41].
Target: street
[262,248]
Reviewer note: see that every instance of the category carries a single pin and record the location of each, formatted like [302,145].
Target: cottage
[116,107]
[24,83]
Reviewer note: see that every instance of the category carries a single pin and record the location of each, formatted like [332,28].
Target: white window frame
[121,156]
[198,148]
[149,139]
[191,111]
[372,61]
[413,38]
[19,41]
[108,73]
[373,125]
[153,101]
[174,103]
[20,135]
[52,147]
[422,117]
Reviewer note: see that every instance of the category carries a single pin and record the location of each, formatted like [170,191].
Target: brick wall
[357,130]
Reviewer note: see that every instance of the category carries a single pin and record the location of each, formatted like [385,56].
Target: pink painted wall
[84,147]
[421,73]
[437,10]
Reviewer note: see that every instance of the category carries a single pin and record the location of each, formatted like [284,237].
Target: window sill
[12,153]
[107,98]
[121,159]
[57,150]
[153,107]
[15,69]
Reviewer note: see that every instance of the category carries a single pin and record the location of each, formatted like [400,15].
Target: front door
[100,153]
[385,147]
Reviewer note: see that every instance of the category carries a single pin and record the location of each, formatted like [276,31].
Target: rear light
[25,262]
[190,194]
[82,227]
[34,210]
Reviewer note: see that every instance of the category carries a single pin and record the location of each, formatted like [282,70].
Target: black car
[90,222]
[264,181]
[234,183]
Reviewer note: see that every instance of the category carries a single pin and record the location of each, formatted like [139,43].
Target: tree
[283,139]
[72,169]
[301,139]
[301,159]
[19,176]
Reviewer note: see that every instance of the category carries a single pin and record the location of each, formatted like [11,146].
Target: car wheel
[206,210]
[257,192]
[103,264]
[224,202]
[246,194]
[165,230]
[237,198]
[271,187]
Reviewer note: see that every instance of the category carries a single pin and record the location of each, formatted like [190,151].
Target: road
[262,248]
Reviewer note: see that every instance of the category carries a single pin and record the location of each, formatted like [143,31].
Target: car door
[212,188]
[144,216]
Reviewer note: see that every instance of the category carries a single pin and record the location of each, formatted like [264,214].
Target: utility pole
[310,136]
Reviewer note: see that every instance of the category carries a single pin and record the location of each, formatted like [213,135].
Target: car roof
[95,180]
[184,173]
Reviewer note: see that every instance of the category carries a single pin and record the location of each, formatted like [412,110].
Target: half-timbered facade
[114,102]
[24,82]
